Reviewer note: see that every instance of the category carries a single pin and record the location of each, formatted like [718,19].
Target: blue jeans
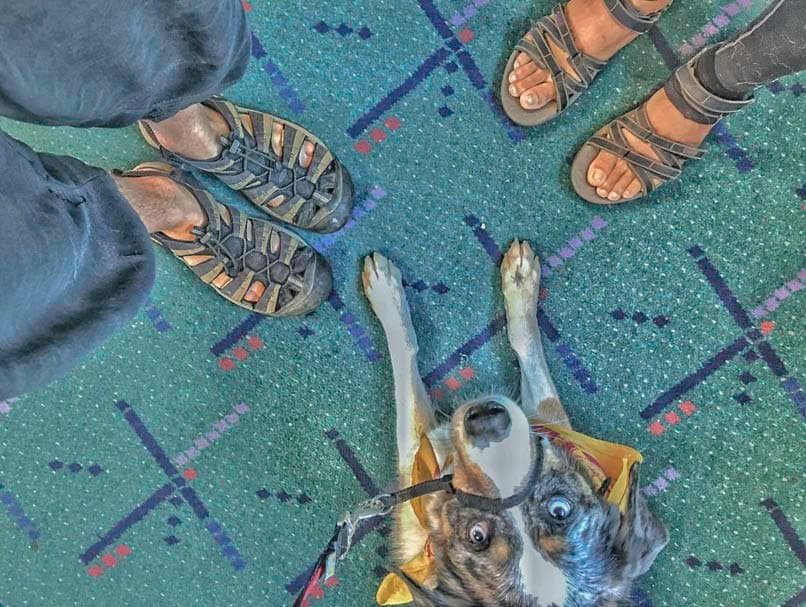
[75,260]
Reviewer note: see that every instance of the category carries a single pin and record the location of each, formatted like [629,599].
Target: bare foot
[612,176]
[596,33]
[196,133]
[167,207]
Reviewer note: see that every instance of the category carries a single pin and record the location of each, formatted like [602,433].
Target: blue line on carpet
[786,529]
[711,366]
[436,18]
[722,289]
[370,487]
[148,440]
[515,132]
[128,521]
[237,334]
[484,238]
[469,66]
[384,105]
[158,453]
[797,600]
[466,349]
[359,334]
[348,455]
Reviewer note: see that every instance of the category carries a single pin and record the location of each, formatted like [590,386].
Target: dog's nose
[487,423]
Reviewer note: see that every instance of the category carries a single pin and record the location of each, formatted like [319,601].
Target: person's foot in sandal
[276,164]
[563,52]
[646,147]
[251,262]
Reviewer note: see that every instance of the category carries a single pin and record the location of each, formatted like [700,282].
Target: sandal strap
[249,164]
[625,13]
[245,248]
[651,172]
[701,99]
[555,25]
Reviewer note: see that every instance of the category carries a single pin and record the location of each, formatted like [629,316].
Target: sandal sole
[513,108]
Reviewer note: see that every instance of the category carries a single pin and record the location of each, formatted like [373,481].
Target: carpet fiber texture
[202,456]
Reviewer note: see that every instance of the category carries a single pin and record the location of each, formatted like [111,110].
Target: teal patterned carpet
[202,456]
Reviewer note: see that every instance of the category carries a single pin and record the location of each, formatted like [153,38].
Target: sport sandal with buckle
[567,87]
[317,198]
[245,249]
[651,172]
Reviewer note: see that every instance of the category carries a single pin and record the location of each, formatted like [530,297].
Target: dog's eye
[479,533]
[559,507]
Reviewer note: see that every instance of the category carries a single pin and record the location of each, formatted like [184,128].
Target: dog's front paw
[383,286]
[520,278]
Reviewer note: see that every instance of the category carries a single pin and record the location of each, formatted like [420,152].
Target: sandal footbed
[512,106]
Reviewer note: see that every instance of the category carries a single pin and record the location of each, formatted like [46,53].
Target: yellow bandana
[605,462]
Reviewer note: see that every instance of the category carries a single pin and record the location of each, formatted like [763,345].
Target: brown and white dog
[566,545]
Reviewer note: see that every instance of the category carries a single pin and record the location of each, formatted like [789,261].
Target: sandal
[652,173]
[247,250]
[317,198]
[567,87]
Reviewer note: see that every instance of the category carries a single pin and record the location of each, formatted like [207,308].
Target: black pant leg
[772,46]
[77,263]
[112,62]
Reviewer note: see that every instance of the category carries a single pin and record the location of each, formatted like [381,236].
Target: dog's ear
[423,597]
[642,535]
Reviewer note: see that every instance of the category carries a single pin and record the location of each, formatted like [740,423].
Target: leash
[382,505]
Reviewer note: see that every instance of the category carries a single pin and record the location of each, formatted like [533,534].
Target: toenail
[613,196]
[513,90]
[597,176]
[529,99]
[601,192]
[512,77]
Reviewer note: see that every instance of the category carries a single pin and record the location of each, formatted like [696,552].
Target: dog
[570,542]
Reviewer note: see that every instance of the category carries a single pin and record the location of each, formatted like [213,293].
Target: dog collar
[607,464]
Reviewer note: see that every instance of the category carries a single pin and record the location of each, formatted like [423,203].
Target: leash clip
[380,505]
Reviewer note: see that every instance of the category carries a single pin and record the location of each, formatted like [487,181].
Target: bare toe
[606,189]
[621,185]
[632,190]
[522,71]
[306,154]
[600,168]
[537,96]
[255,292]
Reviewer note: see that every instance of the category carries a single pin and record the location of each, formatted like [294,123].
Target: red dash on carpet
[226,363]
[240,353]
[672,417]
[656,428]
[392,123]
[190,474]
[467,373]
[466,35]
[688,407]
[109,560]
[363,146]
[767,327]
[378,135]
[255,342]
[247,6]
[95,570]
[453,384]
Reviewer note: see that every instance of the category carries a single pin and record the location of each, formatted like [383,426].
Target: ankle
[669,122]
[162,205]
[194,132]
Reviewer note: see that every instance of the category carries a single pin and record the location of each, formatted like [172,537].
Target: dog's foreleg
[415,415]
[520,282]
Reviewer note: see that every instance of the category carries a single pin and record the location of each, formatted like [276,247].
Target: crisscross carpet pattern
[203,455]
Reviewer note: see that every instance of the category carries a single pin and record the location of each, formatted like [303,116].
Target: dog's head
[566,544]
